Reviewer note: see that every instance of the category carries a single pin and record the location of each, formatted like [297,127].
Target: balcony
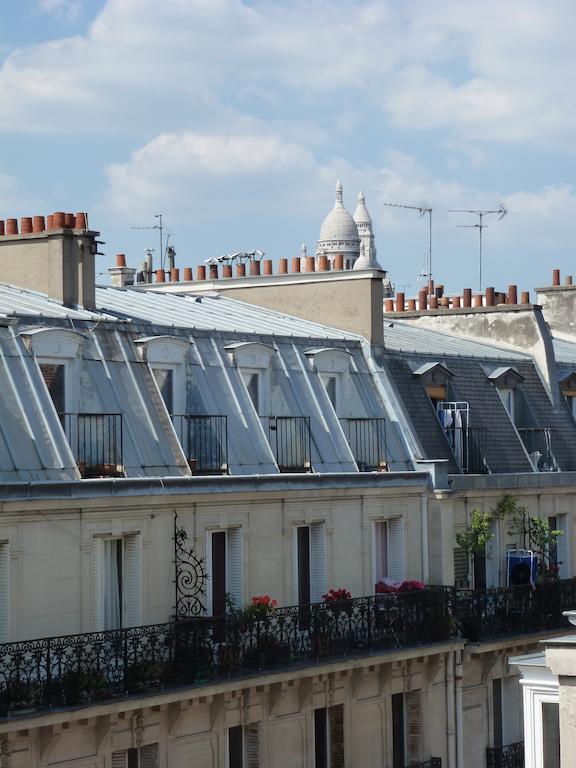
[491,613]
[469,447]
[367,441]
[538,444]
[78,670]
[96,442]
[434,762]
[511,756]
[204,440]
[289,438]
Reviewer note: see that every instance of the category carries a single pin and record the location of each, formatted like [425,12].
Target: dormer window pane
[252,382]
[165,381]
[53,375]
[330,386]
[507,396]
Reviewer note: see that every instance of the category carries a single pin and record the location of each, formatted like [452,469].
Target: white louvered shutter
[317,562]
[4,593]
[252,745]
[413,726]
[132,586]
[119,759]
[492,558]
[563,547]
[234,565]
[148,756]
[396,550]
[380,550]
[512,719]
[96,585]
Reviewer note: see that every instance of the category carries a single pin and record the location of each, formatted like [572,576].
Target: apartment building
[168,455]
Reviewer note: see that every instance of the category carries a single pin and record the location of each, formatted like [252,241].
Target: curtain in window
[111,580]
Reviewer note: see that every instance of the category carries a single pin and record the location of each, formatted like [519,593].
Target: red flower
[337,594]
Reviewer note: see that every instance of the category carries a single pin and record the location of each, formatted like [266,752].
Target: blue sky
[234,120]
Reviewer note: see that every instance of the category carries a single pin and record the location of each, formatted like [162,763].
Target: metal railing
[96,441]
[77,670]
[511,756]
[289,438]
[538,444]
[489,613]
[469,447]
[204,440]
[367,441]
[434,762]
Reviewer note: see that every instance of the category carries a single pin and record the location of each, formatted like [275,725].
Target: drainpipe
[425,553]
[450,714]
[459,709]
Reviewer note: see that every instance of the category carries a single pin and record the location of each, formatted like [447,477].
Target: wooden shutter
[396,549]
[512,720]
[132,586]
[119,759]
[96,585]
[252,745]
[413,725]
[4,592]
[492,558]
[563,547]
[149,756]
[317,562]
[336,726]
[234,565]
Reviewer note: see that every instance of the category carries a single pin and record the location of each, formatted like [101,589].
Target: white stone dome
[339,224]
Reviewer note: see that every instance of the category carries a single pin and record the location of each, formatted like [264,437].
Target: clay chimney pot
[227,270]
[240,269]
[400,302]
[201,272]
[38,224]
[160,276]
[268,267]
[120,259]
[283,266]
[59,220]
[11,226]
[81,222]
[188,274]
[25,225]
[295,264]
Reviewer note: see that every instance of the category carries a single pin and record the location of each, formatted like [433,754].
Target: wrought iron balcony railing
[367,440]
[96,442]
[511,756]
[289,438]
[488,613]
[434,762]
[538,444]
[469,447]
[204,440]
[77,670]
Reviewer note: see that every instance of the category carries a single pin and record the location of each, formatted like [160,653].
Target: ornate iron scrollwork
[190,578]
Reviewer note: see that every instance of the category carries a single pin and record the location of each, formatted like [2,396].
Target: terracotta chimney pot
[81,222]
[467,297]
[389,304]
[227,270]
[38,224]
[11,226]
[295,263]
[283,267]
[2,228]
[188,274]
[174,275]
[423,299]
[25,225]
[400,302]
[512,294]
[456,302]
[240,269]
[120,259]
[160,276]
[490,297]
[268,267]
[213,271]
[339,261]
[201,272]
[254,268]
[70,221]
[430,287]
[323,263]
[555,277]
[568,280]
[59,220]
[310,264]
[411,305]
[525,297]
[50,221]
[439,290]
[433,302]
[444,301]
[478,300]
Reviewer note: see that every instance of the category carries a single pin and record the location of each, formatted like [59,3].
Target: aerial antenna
[241,256]
[422,210]
[161,227]
[500,212]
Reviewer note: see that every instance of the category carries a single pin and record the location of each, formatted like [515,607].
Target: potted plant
[262,642]
[338,600]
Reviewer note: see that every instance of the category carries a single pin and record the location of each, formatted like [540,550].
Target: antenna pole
[421,210]
[502,211]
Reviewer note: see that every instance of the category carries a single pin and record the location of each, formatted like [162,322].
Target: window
[507,711]
[493,557]
[137,757]
[388,550]
[507,397]
[225,563]
[244,746]
[4,592]
[310,563]
[116,582]
[165,381]
[252,382]
[551,734]
[406,728]
[54,375]
[331,386]
[329,737]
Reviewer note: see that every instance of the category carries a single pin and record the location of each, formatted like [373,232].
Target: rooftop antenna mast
[500,212]
[161,227]
[422,210]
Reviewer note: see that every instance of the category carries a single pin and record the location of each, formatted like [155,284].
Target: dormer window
[251,380]
[332,364]
[166,356]
[56,351]
[435,378]
[507,380]
[568,389]
[254,362]
[507,397]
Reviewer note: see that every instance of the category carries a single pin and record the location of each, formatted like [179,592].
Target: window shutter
[563,547]
[132,587]
[396,549]
[461,568]
[380,551]
[119,759]
[512,720]
[96,585]
[492,558]
[303,564]
[252,745]
[413,704]
[149,756]
[4,593]
[336,715]
[317,562]
[234,565]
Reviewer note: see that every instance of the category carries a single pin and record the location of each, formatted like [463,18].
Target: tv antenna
[500,212]
[422,211]
[161,227]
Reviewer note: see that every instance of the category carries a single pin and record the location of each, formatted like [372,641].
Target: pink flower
[337,594]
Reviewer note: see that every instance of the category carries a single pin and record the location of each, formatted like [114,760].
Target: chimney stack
[121,275]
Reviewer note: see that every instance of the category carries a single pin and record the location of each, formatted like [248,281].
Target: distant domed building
[350,236]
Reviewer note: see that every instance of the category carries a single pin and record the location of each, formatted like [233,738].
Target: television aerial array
[500,212]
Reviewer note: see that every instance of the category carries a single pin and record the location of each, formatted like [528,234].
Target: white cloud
[63,9]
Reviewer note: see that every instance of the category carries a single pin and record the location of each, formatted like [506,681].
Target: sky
[235,119]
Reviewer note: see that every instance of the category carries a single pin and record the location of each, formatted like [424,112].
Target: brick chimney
[60,261]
